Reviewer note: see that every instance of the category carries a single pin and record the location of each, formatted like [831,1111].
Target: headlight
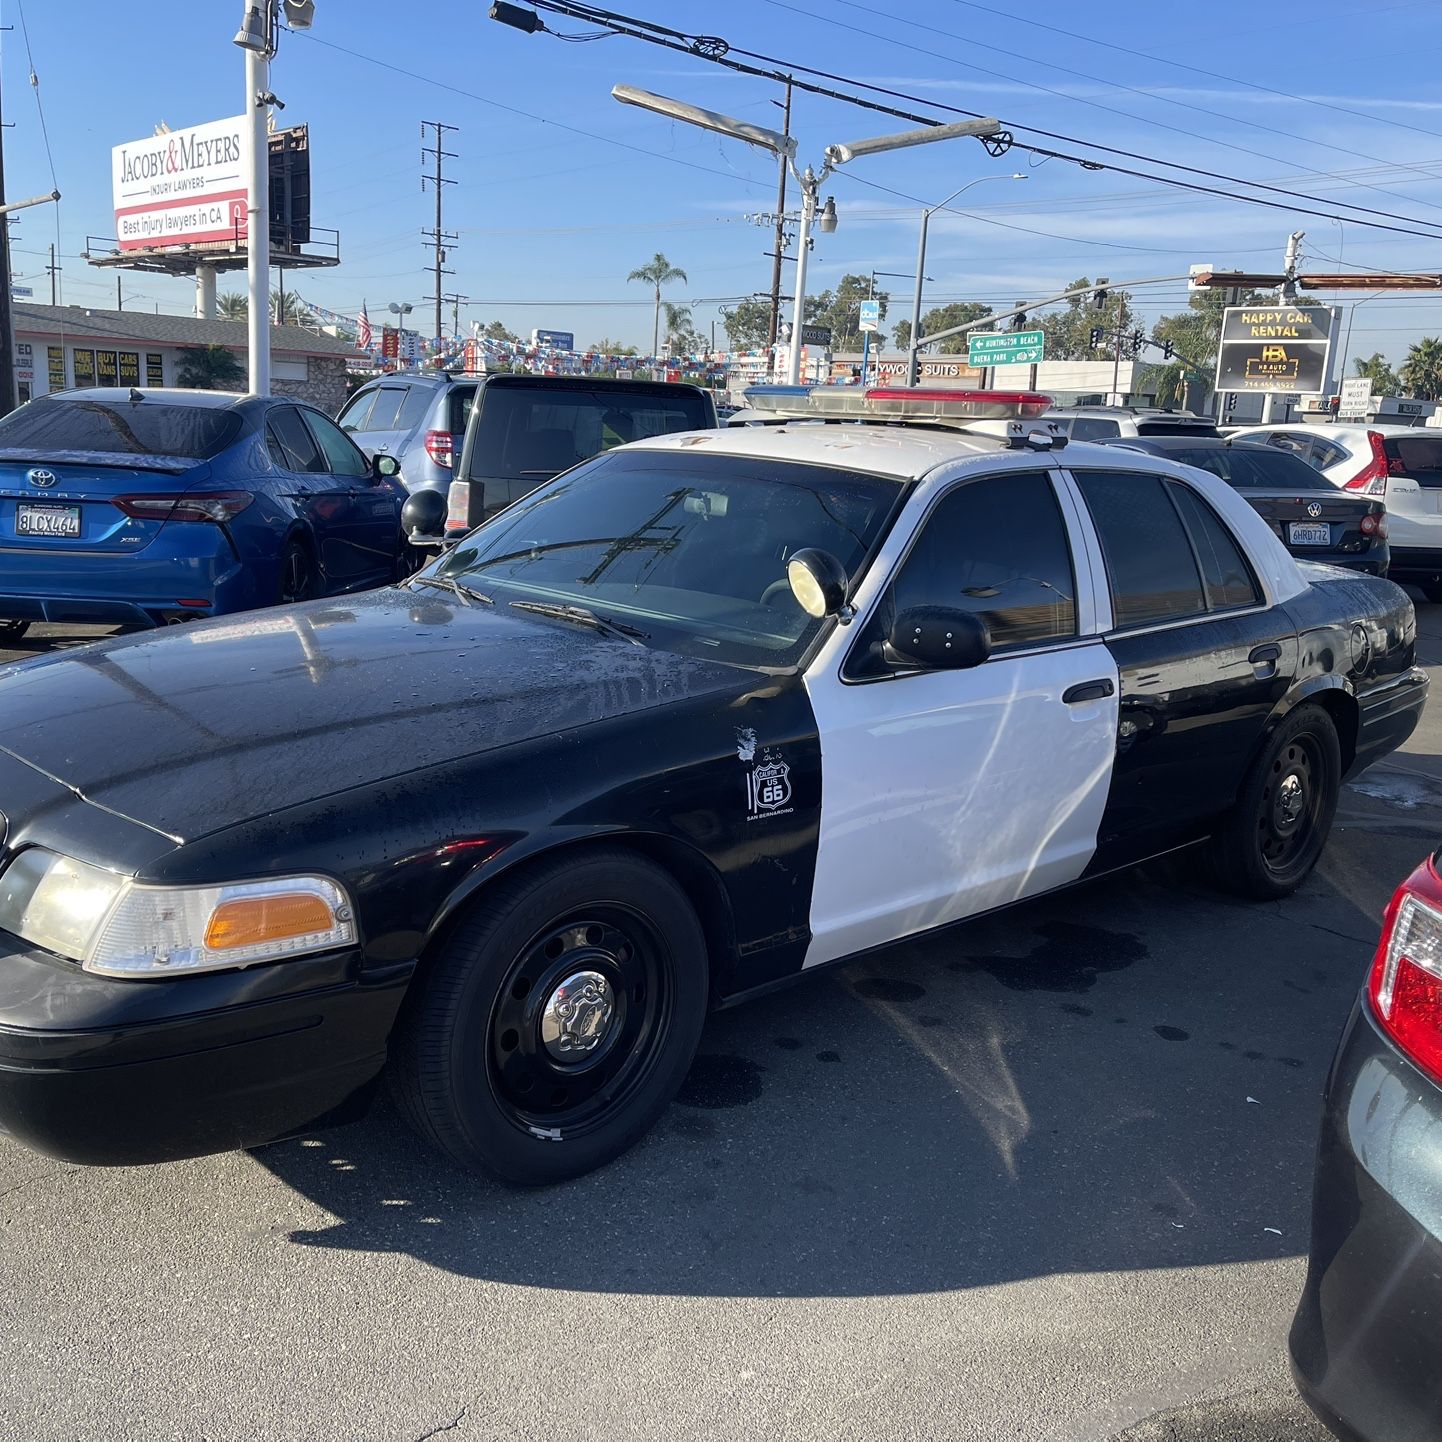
[118,927]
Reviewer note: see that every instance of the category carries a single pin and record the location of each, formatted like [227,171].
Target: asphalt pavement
[1045,1177]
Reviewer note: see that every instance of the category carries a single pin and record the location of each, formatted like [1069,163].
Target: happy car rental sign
[183,187]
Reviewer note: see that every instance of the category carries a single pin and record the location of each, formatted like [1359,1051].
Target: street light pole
[913,362]
[257,198]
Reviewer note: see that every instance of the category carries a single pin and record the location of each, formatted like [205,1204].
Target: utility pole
[438,237]
[119,299]
[1287,294]
[54,272]
[8,393]
[455,302]
[774,324]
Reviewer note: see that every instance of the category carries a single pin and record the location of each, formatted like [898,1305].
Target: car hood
[196,728]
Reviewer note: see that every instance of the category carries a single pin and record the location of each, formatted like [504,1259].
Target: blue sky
[562,191]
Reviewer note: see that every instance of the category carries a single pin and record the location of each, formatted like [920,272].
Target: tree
[294,311]
[1378,370]
[748,323]
[232,305]
[606,346]
[681,334]
[943,317]
[1196,333]
[498,331]
[841,310]
[1421,372]
[1068,330]
[209,368]
[658,271]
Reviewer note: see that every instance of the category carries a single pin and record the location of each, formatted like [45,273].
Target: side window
[1326,453]
[1094,428]
[342,456]
[414,407]
[996,546]
[386,411]
[1149,559]
[1228,578]
[459,404]
[355,411]
[1295,445]
[286,430]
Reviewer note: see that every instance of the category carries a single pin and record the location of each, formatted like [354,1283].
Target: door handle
[1087,691]
[1260,655]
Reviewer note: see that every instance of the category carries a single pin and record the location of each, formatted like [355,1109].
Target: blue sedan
[143,508]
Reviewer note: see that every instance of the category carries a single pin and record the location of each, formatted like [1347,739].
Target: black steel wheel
[297,573]
[1283,816]
[13,630]
[557,1020]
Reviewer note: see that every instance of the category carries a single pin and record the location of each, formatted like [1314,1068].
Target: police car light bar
[895,403]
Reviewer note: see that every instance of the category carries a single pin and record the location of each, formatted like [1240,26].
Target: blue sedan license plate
[62,521]
[1302,534]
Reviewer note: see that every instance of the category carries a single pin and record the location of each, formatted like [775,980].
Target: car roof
[155,395]
[1164,445]
[1332,430]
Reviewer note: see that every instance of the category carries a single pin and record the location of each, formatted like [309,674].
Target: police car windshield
[690,549]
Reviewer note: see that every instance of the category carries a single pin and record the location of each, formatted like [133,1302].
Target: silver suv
[418,419]
[1109,423]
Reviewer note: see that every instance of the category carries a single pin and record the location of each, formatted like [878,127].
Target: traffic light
[1018,321]
[1167,350]
[1099,295]
[1098,336]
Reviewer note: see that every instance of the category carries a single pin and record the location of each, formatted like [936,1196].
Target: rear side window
[1327,453]
[459,404]
[1094,428]
[533,433]
[997,547]
[122,428]
[289,436]
[1150,564]
[1225,573]
[354,413]
[1299,446]
[1420,457]
[387,409]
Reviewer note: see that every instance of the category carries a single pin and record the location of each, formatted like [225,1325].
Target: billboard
[555,339]
[184,187]
[1276,349]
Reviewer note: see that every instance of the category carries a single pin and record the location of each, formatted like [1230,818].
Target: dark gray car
[418,419]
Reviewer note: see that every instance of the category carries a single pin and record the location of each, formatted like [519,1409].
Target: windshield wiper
[584,616]
[449,583]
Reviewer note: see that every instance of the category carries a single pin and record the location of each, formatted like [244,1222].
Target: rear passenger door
[371,527]
[1201,656]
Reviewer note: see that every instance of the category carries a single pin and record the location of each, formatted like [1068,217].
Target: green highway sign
[1005,348]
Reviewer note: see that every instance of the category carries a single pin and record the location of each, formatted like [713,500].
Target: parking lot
[1045,1176]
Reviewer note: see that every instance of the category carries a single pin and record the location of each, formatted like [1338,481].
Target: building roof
[83,324]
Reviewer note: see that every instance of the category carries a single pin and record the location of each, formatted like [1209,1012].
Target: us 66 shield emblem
[768,786]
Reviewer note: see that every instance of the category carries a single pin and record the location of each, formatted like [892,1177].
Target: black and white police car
[702,715]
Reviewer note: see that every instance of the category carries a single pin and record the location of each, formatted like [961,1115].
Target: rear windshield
[1254,467]
[123,428]
[462,398]
[1176,428]
[534,434]
[1420,457]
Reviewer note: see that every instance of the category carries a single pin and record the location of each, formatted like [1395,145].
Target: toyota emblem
[43,479]
[1314,509]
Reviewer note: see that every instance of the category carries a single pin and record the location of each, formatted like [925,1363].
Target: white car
[1401,464]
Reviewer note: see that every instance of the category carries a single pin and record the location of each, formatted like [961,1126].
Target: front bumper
[110,1072]
[1368,1331]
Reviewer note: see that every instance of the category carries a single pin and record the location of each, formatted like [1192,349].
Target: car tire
[13,630]
[297,573]
[512,1058]
[1275,833]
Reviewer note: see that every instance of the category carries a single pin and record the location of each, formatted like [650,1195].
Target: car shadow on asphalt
[1126,1076]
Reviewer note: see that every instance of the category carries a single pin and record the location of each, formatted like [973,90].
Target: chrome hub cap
[1290,802]
[577,1016]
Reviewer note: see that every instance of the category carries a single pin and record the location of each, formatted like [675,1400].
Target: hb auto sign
[1274,348]
[184,187]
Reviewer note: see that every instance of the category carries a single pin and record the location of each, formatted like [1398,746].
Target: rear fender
[1335,695]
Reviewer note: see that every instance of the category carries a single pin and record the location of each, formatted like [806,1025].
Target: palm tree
[232,305]
[1421,372]
[294,312]
[678,328]
[209,368]
[657,273]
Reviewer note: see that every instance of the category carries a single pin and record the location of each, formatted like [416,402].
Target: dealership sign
[1278,349]
[184,187]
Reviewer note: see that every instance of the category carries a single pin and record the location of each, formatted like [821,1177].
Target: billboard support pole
[205,292]
[257,207]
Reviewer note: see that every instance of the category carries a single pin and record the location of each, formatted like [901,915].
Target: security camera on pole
[257,37]
[809,180]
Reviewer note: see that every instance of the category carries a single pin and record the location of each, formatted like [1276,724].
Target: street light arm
[34,200]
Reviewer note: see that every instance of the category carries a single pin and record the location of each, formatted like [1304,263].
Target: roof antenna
[136,396]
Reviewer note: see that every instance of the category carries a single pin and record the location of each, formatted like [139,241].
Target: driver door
[946,793]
